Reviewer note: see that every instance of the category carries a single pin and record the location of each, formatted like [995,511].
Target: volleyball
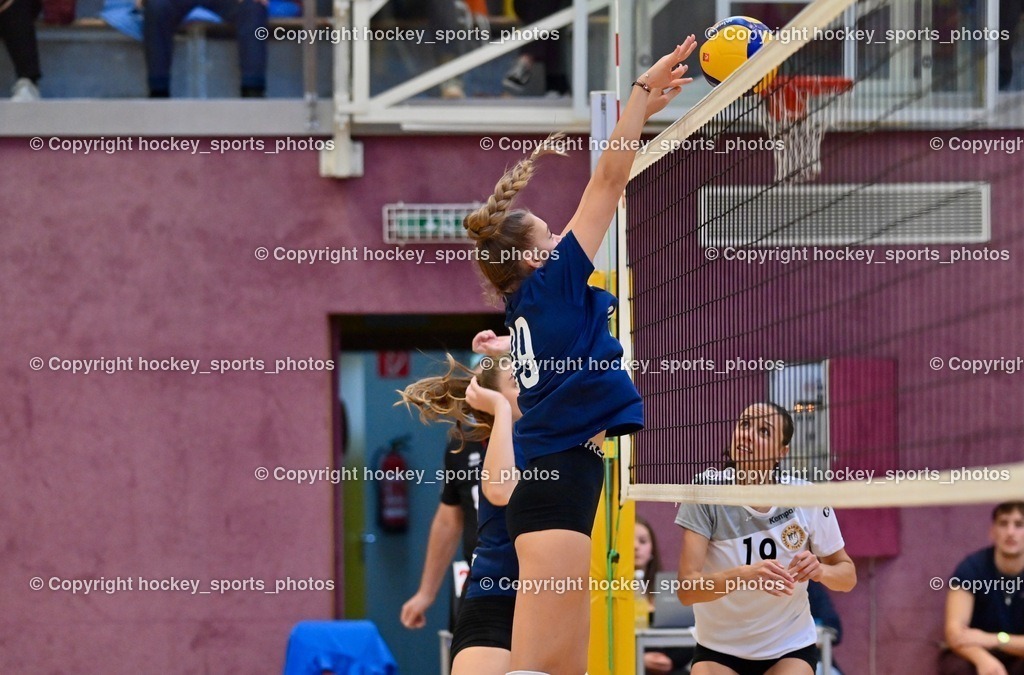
[731,42]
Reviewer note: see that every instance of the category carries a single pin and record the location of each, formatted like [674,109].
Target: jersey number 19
[767,549]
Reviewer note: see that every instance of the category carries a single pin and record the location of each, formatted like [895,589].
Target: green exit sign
[426,223]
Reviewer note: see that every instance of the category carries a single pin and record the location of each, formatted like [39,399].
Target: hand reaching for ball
[665,78]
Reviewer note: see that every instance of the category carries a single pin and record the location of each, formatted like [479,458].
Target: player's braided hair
[501,232]
[443,398]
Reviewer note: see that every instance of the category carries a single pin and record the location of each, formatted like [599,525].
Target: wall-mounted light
[805,407]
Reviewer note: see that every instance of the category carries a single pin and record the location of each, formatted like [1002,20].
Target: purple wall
[144,474]
[907,313]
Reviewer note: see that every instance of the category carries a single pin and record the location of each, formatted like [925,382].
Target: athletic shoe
[25,90]
[518,76]
[452,89]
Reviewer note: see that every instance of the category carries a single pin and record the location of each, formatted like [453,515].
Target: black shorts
[557,492]
[484,621]
[808,655]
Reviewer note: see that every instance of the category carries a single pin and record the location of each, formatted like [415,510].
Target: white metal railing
[370,109]
[355,104]
[357,108]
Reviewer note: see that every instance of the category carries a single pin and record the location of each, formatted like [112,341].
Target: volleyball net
[826,232]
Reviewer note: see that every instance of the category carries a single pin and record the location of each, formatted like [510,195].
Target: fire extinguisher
[393,487]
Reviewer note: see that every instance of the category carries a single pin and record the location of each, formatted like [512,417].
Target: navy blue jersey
[494,558]
[998,598]
[568,365]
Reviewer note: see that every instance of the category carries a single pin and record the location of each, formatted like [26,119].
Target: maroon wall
[152,474]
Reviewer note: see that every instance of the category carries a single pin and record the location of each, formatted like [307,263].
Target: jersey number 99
[524,365]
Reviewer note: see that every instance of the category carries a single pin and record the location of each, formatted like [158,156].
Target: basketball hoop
[798,110]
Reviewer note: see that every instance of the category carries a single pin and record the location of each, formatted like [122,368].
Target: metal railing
[353,96]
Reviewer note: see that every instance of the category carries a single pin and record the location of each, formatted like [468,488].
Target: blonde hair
[443,399]
[498,229]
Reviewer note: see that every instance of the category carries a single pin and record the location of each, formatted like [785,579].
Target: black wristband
[643,85]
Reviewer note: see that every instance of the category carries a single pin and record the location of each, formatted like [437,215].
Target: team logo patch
[793,537]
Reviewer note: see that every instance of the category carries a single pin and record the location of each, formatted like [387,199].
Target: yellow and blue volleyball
[731,43]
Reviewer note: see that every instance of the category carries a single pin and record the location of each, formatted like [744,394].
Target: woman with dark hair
[745,568]
[645,552]
[647,560]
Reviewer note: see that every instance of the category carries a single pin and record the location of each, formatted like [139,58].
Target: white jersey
[752,624]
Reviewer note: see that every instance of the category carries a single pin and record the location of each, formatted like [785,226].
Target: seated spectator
[18,31]
[985,603]
[546,51]
[1009,20]
[161,19]
[444,16]
[671,661]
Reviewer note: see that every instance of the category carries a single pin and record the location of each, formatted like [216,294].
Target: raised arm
[499,472]
[597,206]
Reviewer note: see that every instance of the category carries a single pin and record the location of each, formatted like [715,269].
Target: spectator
[162,17]
[645,557]
[547,52]
[18,31]
[985,603]
[448,17]
[1009,20]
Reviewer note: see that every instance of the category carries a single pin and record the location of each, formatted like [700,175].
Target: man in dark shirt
[985,603]
[455,518]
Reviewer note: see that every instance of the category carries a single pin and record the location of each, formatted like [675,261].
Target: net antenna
[797,111]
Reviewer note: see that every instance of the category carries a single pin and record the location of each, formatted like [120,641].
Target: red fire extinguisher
[393,488]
